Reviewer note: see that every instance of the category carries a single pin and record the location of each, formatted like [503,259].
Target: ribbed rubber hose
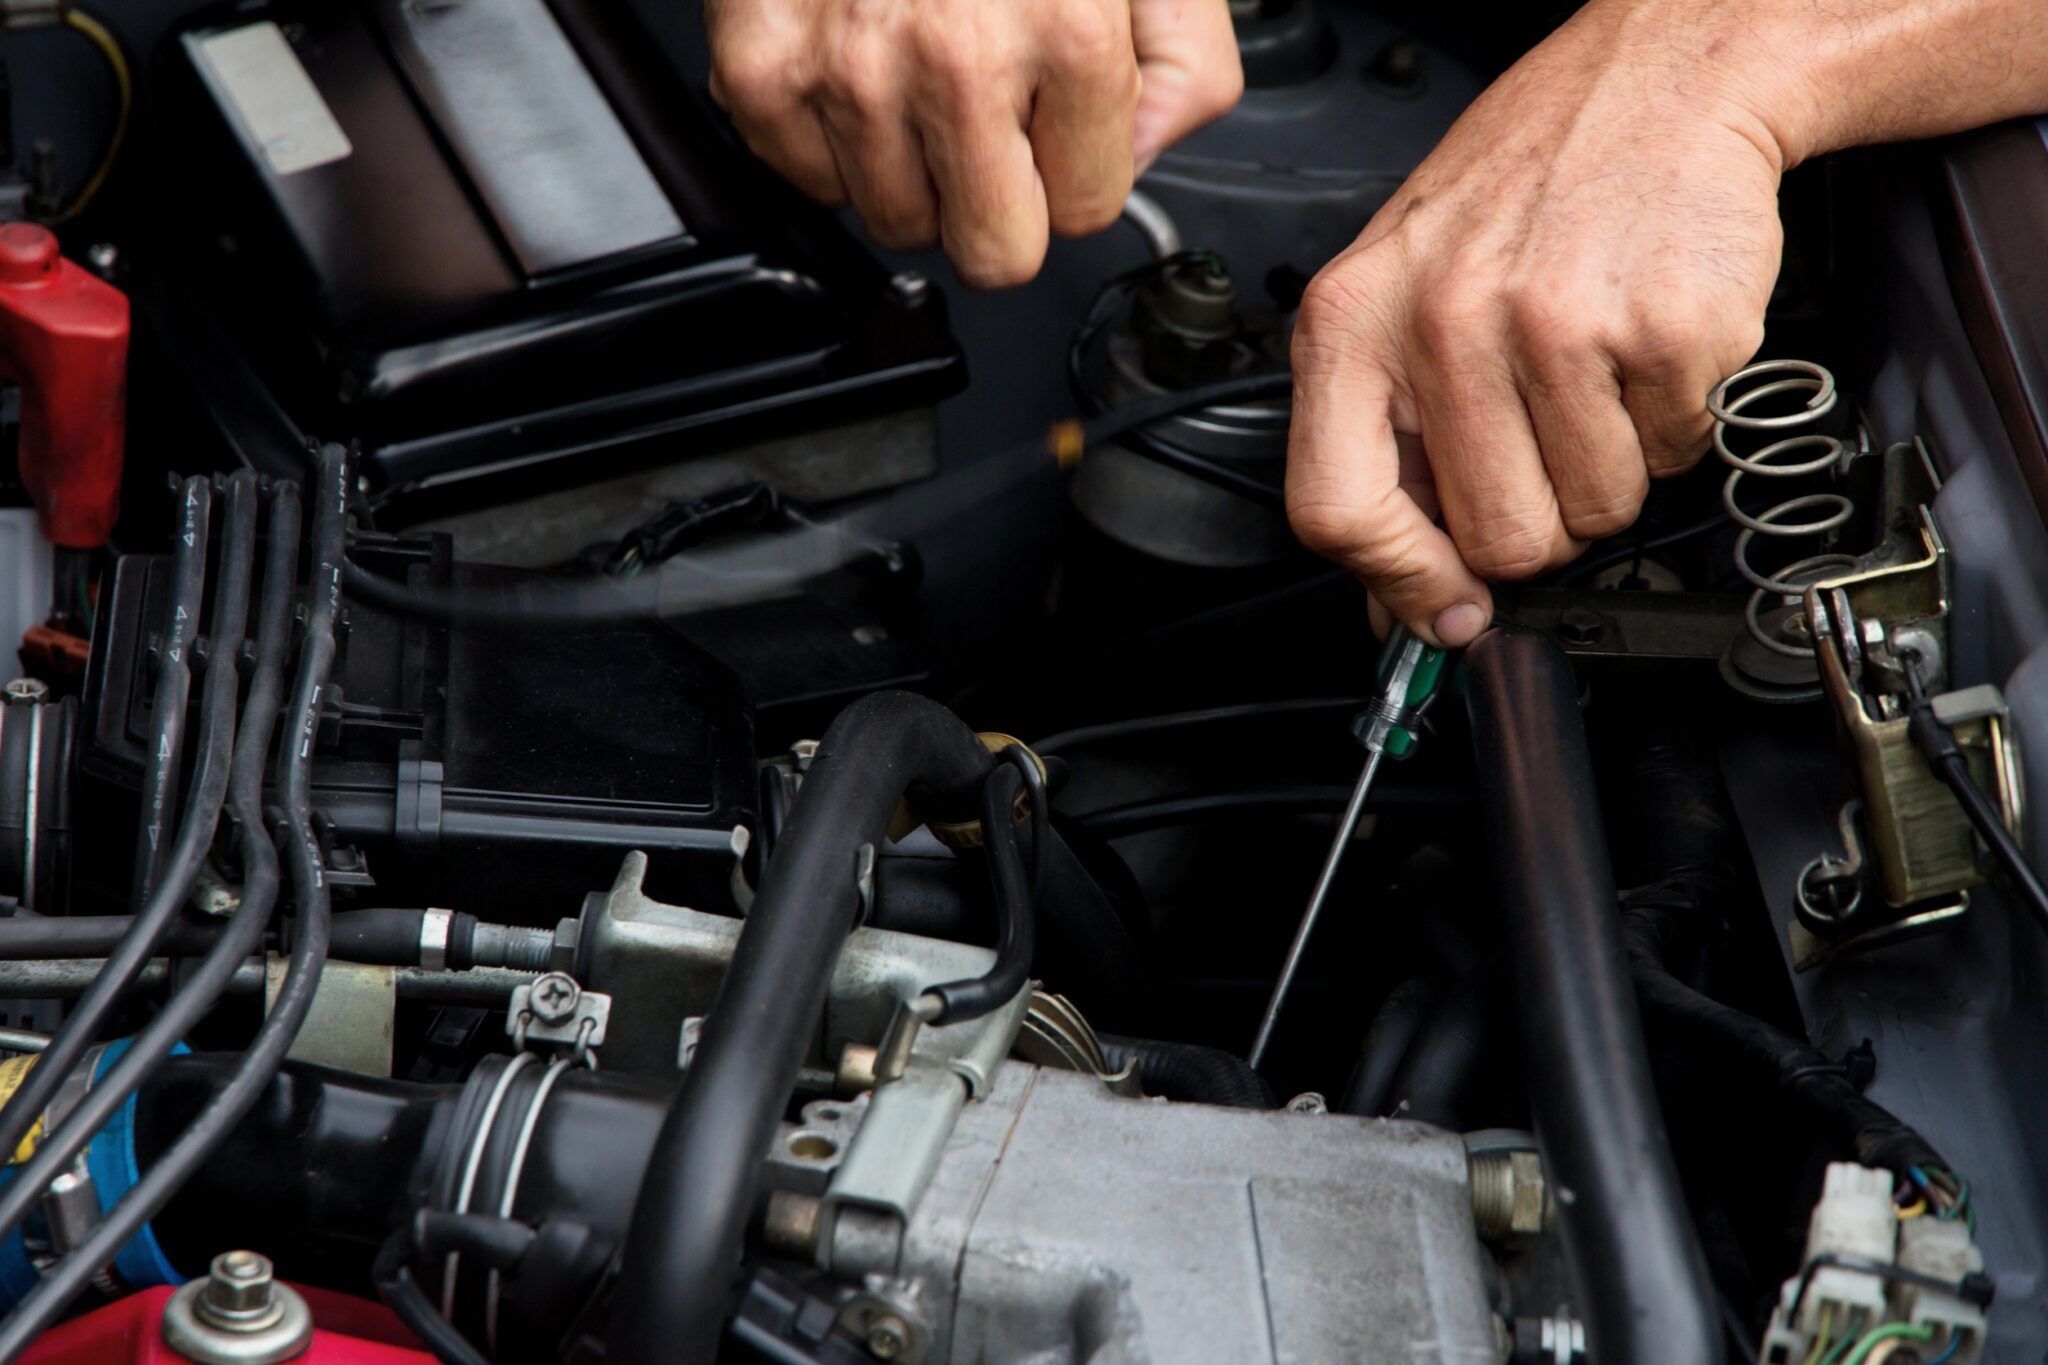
[1642,1279]
[1190,1072]
[681,1260]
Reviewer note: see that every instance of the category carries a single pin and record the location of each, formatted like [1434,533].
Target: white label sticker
[272,97]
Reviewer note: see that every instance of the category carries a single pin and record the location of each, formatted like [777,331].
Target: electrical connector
[1870,1272]
[1942,1250]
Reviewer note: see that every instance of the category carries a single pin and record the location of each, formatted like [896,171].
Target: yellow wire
[117,62]
[1820,1337]
[1913,1210]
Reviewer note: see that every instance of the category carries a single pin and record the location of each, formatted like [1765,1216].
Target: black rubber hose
[1016,939]
[1442,1079]
[1370,1091]
[680,1264]
[195,834]
[1642,1279]
[1142,817]
[275,1035]
[73,936]
[1190,1072]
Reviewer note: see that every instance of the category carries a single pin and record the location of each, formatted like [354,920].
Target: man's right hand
[984,125]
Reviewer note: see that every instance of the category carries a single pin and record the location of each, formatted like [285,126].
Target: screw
[27,690]
[553,998]
[888,1337]
[240,1293]
[1308,1102]
[910,286]
[1580,626]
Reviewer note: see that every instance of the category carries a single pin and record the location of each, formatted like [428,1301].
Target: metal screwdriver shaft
[1409,673]
[1331,862]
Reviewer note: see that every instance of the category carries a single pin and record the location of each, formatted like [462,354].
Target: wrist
[1757,69]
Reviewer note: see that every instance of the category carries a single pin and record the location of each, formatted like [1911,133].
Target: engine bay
[601,769]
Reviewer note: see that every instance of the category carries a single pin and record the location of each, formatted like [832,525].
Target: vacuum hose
[681,1262]
[1641,1277]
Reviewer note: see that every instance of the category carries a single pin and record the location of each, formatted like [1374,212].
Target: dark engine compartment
[535,739]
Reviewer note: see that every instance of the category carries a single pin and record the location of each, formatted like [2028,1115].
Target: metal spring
[1787,457]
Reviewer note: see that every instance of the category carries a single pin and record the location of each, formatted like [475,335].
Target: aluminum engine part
[663,964]
[1066,1223]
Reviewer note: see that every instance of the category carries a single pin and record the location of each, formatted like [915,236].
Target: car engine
[599,769]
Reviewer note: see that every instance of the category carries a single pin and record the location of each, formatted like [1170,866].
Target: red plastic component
[346,1331]
[64,340]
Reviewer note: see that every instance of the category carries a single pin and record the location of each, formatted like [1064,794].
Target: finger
[1345,494]
[1666,375]
[1187,55]
[881,160]
[1588,443]
[992,209]
[1081,120]
[1498,504]
[778,124]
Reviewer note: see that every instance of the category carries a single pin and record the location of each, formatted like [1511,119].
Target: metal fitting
[238,1315]
[1509,1195]
[25,690]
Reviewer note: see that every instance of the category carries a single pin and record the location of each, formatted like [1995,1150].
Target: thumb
[1187,56]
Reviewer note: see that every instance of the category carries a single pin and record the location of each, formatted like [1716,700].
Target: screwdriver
[1410,672]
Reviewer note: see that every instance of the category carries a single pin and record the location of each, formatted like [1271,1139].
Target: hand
[980,124]
[1526,333]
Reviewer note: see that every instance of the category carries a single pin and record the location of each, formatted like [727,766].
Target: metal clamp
[553,1008]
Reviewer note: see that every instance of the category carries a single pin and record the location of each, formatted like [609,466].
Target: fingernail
[1460,625]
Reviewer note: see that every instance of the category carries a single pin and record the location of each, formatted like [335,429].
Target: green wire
[1921,1332]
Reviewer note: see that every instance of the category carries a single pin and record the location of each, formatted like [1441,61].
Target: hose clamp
[435,928]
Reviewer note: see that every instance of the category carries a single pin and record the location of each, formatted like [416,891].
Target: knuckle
[1455,322]
[1329,311]
[1510,549]
[1606,512]
[755,79]
[1552,333]
[1092,39]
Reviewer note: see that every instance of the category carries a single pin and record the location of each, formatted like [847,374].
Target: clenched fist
[984,125]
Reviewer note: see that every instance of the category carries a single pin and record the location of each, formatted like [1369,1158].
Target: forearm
[1818,75]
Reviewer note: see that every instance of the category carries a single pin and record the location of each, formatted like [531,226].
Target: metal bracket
[1868,627]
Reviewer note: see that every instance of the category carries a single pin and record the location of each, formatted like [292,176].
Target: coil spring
[1798,455]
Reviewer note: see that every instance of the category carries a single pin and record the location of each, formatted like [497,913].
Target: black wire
[1937,743]
[1586,568]
[392,1274]
[580,603]
[173,680]
[196,830]
[1084,735]
[280,1028]
[1141,817]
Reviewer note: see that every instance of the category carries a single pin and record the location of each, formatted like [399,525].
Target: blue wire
[1948,1352]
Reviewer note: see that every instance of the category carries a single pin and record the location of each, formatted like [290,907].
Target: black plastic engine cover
[481,238]
[503,772]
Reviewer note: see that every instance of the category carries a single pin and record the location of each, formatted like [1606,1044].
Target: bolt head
[27,690]
[553,998]
[1308,1102]
[239,1288]
[1581,626]
[910,286]
[888,1337]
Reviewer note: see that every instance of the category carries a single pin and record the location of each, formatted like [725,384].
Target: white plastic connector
[1856,1218]
[1947,1251]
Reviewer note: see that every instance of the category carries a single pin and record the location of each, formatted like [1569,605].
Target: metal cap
[237,1315]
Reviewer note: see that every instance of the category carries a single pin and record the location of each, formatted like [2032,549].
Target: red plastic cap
[64,340]
[28,253]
